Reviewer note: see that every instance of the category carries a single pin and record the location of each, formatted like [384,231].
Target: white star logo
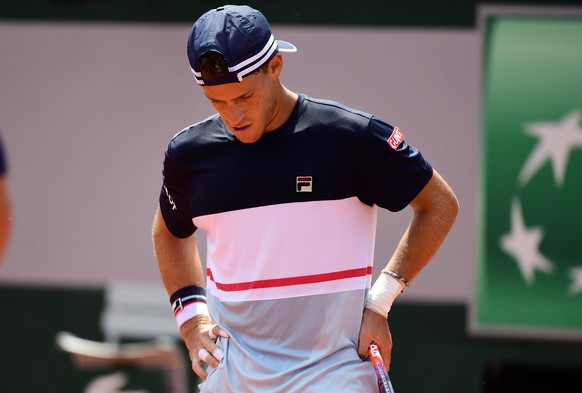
[523,244]
[556,140]
[576,275]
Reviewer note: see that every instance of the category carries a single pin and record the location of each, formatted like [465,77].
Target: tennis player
[287,188]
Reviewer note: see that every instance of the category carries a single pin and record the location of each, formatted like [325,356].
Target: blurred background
[91,91]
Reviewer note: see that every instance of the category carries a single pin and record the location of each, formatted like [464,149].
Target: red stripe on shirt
[297,280]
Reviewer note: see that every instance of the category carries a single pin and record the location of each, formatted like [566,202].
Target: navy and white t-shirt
[291,226]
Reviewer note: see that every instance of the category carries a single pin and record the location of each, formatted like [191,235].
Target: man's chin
[245,136]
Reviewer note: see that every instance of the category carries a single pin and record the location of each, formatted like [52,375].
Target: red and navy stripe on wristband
[188,302]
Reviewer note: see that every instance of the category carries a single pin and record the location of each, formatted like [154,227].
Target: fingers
[199,370]
[216,331]
[386,356]
[363,349]
[212,356]
[206,351]
[385,348]
[205,357]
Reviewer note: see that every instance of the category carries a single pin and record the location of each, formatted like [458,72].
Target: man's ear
[275,66]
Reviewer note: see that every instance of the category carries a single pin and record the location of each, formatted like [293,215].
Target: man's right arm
[180,266]
[178,258]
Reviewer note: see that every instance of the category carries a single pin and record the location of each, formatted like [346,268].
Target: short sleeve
[174,198]
[392,172]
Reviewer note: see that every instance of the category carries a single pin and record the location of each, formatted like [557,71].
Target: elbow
[449,205]
[454,206]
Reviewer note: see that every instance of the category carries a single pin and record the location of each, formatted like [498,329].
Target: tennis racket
[384,384]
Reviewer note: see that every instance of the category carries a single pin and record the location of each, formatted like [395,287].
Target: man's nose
[235,113]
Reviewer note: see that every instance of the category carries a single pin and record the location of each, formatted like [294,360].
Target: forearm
[178,259]
[435,210]
[180,267]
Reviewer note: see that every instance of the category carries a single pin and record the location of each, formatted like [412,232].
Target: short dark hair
[213,66]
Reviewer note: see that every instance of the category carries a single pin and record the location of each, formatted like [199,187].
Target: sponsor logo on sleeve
[396,138]
[170,199]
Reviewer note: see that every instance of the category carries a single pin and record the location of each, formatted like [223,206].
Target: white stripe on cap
[259,58]
[256,62]
[197,76]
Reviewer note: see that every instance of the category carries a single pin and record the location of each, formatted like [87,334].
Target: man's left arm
[434,211]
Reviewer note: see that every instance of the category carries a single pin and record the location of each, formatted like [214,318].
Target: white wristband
[383,293]
[190,311]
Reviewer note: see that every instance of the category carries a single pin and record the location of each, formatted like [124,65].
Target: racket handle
[384,384]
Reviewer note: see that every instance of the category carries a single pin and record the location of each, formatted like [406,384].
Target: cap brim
[285,46]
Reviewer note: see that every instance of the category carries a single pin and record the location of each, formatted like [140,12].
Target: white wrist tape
[383,293]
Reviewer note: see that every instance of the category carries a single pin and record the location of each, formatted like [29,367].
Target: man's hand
[200,336]
[375,328]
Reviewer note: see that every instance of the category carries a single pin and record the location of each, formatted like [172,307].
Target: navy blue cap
[241,34]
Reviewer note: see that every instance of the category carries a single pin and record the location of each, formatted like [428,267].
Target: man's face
[247,108]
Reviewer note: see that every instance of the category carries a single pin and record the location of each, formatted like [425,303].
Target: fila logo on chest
[304,184]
